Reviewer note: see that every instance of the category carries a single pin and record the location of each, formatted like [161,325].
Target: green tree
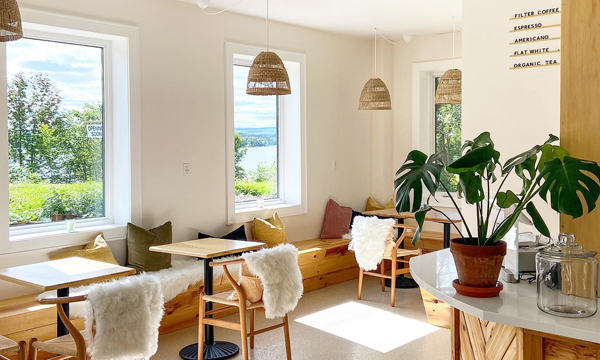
[240,153]
[18,116]
[448,138]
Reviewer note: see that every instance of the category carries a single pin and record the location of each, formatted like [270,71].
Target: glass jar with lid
[567,279]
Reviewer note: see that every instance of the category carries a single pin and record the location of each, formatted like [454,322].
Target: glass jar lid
[566,246]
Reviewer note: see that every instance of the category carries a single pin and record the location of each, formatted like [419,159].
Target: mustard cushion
[373,205]
[270,231]
[96,249]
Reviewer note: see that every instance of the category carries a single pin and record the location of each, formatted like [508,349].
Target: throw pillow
[237,234]
[373,205]
[270,231]
[96,249]
[251,285]
[139,241]
[337,220]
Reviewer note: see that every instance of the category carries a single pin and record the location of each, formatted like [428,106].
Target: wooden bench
[323,262]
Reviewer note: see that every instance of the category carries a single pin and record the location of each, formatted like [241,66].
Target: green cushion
[140,240]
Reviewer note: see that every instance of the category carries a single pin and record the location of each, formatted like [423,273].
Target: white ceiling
[393,18]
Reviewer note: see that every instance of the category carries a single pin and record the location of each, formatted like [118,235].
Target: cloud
[251,111]
[76,70]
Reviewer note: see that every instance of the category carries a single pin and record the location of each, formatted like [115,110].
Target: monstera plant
[568,184]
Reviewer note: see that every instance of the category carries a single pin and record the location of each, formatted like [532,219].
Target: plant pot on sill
[478,268]
[57,217]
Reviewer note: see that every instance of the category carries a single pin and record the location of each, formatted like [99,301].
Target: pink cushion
[337,220]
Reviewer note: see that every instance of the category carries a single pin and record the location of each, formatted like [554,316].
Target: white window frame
[292,184]
[121,122]
[423,110]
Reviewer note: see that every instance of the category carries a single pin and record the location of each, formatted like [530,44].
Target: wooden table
[208,250]
[62,274]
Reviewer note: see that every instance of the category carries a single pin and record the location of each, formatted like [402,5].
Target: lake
[255,155]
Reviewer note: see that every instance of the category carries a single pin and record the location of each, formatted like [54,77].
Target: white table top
[516,305]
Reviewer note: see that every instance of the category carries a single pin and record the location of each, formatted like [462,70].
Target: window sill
[246,214]
[63,238]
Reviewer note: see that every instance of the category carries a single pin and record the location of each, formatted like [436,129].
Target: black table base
[61,329]
[218,350]
[402,282]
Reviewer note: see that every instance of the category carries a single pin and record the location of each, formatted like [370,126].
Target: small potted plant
[54,206]
[546,171]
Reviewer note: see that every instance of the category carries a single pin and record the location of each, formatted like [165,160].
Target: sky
[75,69]
[251,111]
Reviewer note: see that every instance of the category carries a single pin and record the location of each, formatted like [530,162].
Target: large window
[256,123]
[266,160]
[55,131]
[447,119]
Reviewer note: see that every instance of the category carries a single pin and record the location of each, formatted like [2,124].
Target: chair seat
[404,252]
[64,345]
[7,346]
[222,298]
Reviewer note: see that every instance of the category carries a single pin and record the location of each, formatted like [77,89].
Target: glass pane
[256,135]
[448,137]
[55,129]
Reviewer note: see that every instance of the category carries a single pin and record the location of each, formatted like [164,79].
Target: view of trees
[249,185]
[54,167]
[448,138]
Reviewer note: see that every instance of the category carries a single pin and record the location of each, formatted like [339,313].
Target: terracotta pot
[57,217]
[477,266]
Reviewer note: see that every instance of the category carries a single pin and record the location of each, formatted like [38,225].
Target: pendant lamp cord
[375,52]
[267,25]
[222,11]
[453,41]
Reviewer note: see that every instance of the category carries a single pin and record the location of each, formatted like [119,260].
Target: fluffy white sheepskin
[127,314]
[369,235]
[280,275]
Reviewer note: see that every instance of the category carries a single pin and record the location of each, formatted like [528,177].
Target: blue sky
[76,70]
[251,111]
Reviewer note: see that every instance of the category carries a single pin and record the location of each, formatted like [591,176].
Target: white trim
[122,126]
[292,171]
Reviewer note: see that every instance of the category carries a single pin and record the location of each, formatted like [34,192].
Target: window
[256,124]
[71,89]
[55,131]
[447,118]
[266,161]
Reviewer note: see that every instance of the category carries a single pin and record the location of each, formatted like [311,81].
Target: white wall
[518,107]
[183,114]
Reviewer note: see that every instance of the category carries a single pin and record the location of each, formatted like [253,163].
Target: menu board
[534,38]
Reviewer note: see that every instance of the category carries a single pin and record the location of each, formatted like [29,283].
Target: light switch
[186,169]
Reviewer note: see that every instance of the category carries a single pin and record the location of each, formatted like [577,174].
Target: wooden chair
[397,257]
[243,309]
[70,346]
[9,347]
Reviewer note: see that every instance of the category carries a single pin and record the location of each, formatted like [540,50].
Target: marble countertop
[516,305]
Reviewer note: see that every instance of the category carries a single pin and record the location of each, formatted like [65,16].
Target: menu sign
[535,38]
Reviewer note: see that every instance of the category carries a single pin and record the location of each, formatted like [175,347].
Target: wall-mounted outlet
[186,169]
[333,164]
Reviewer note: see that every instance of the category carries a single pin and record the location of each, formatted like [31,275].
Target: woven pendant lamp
[267,75]
[10,21]
[449,89]
[375,94]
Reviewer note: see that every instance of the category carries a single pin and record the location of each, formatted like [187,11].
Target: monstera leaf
[538,222]
[420,218]
[526,155]
[565,179]
[485,161]
[504,200]
[416,171]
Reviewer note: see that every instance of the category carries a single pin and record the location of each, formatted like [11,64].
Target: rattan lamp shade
[268,76]
[449,89]
[375,96]
[10,21]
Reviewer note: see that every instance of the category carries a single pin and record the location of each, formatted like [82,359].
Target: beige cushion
[251,285]
[225,299]
[96,249]
[64,345]
[270,231]
[7,346]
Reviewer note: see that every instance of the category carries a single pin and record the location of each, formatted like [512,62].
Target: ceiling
[393,18]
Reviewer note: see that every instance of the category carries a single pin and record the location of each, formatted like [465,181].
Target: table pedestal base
[402,282]
[218,350]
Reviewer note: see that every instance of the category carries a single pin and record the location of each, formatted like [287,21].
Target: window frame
[423,111]
[292,183]
[121,131]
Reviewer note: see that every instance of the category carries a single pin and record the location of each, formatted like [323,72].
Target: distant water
[255,155]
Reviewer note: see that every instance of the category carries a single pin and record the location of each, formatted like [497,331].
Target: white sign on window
[94,131]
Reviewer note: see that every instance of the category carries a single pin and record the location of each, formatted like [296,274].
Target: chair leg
[286,332]
[360,283]
[244,332]
[382,273]
[393,284]
[202,310]
[252,313]
[32,353]
[22,350]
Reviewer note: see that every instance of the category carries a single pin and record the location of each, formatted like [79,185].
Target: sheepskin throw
[127,315]
[369,235]
[280,274]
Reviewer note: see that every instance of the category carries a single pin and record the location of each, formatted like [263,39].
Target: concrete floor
[332,324]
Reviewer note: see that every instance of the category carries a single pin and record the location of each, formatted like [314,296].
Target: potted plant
[54,206]
[545,170]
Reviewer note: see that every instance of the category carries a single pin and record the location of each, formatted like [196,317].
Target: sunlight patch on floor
[374,328]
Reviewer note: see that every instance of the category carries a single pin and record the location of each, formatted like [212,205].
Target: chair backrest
[369,235]
[73,330]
